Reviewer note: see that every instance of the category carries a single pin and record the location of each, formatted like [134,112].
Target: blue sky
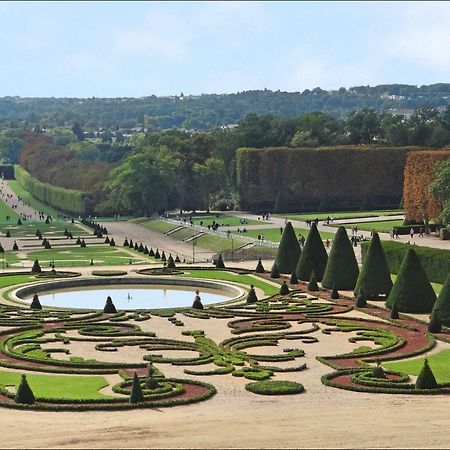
[119,49]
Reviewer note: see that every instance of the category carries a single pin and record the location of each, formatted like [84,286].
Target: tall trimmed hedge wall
[69,200]
[435,262]
[321,178]
[420,171]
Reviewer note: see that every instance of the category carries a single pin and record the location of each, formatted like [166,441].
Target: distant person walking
[411,232]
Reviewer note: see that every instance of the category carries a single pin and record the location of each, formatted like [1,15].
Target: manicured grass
[9,258]
[184,233]
[160,226]
[5,210]
[217,243]
[341,215]
[439,363]
[230,276]
[77,256]
[274,235]
[56,386]
[34,202]
[224,220]
[28,229]
[380,227]
[10,280]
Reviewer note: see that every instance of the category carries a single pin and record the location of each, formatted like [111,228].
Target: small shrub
[252,297]
[219,263]
[35,303]
[24,393]
[259,267]
[171,263]
[274,273]
[197,301]
[136,395]
[272,387]
[284,289]
[15,246]
[426,379]
[36,267]
[109,306]
[312,285]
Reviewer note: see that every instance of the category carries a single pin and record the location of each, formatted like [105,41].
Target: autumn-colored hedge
[69,200]
[420,171]
[321,178]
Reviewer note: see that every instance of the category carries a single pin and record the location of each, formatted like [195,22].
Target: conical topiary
[151,382]
[259,267]
[47,245]
[136,247]
[289,251]
[375,276]
[15,246]
[219,263]
[19,222]
[83,243]
[252,297]
[112,243]
[151,252]
[35,303]
[443,302]
[334,292]
[136,395]
[157,255]
[131,245]
[197,301]
[284,289]
[2,250]
[394,313]
[107,240]
[293,279]
[312,285]
[8,234]
[77,242]
[24,394]
[126,243]
[163,256]
[342,268]
[109,306]
[171,263]
[435,324]
[274,272]
[145,252]
[426,379]
[412,292]
[361,301]
[313,256]
[177,259]
[38,233]
[36,267]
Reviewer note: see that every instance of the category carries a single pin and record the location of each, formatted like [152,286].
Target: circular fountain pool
[128,293]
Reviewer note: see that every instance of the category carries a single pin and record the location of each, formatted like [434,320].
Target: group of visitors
[309,222]
[265,216]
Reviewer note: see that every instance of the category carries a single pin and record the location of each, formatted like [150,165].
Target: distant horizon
[138,49]
[229,93]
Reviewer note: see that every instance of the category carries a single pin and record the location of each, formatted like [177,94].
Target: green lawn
[223,220]
[77,256]
[28,229]
[380,227]
[57,386]
[217,243]
[10,280]
[439,363]
[34,202]
[230,276]
[341,215]
[160,226]
[274,235]
[5,210]
[183,234]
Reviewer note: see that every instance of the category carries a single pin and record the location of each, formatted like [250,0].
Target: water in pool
[129,297]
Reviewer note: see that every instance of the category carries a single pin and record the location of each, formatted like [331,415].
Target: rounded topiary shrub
[284,289]
[412,292]
[313,256]
[342,268]
[273,387]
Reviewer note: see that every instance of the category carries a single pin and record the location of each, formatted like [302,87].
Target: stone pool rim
[18,294]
